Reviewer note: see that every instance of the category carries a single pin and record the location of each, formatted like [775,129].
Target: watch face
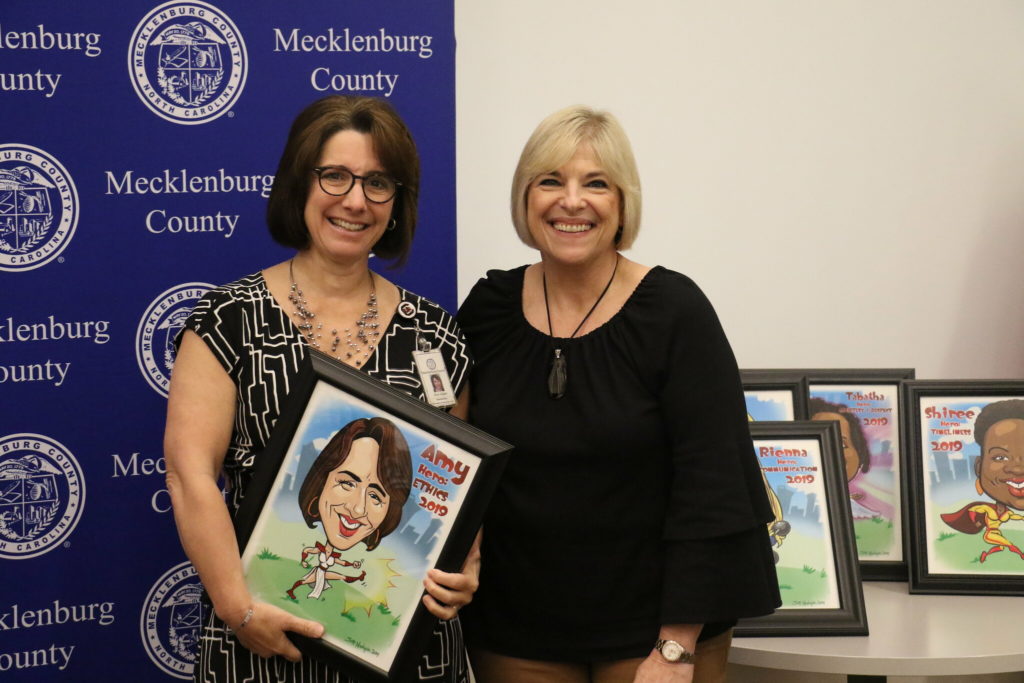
[672,651]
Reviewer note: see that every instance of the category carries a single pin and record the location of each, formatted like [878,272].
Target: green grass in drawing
[802,587]
[874,536]
[370,626]
[963,551]
[802,571]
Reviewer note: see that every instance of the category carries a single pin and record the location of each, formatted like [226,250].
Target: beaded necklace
[367,327]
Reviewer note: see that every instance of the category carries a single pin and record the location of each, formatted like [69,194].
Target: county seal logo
[187,62]
[171,620]
[42,492]
[38,207]
[160,324]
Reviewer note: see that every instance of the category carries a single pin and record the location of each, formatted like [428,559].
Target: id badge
[437,386]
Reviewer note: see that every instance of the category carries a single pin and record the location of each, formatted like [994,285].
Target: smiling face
[574,211]
[1000,468]
[345,228]
[353,502]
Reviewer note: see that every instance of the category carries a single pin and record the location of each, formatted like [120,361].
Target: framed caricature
[965,486]
[811,534]
[866,402]
[360,492]
[774,395]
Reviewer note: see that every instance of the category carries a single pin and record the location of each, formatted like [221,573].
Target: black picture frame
[453,469]
[951,487]
[876,497]
[791,386]
[825,600]
[892,564]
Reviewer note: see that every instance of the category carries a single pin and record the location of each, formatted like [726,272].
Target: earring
[977,486]
[314,513]
[391,225]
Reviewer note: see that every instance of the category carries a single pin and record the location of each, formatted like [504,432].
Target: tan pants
[712,657]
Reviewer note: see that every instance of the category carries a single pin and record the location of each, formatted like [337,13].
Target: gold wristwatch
[673,651]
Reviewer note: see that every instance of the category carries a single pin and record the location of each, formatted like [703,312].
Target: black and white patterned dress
[255,341]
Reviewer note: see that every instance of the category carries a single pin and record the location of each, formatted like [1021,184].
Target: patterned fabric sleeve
[215,320]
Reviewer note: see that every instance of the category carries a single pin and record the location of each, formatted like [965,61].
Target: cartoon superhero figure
[321,573]
[999,431]
[355,489]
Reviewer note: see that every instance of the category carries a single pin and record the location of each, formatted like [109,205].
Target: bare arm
[656,669]
[200,413]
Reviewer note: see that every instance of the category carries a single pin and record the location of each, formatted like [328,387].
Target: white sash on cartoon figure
[325,562]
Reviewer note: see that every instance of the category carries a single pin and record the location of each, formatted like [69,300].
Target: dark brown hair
[860,442]
[1009,409]
[393,145]
[394,469]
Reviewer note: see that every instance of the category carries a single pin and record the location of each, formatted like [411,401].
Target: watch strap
[673,651]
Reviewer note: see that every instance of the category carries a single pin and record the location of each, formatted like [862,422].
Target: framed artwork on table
[867,404]
[362,490]
[772,395]
[965,486]
[812,535]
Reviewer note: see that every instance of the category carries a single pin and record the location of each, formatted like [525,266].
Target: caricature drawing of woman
[355,489]
[856,455]
[999,431]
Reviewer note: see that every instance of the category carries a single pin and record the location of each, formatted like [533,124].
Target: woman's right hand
[265,635]
[200,418]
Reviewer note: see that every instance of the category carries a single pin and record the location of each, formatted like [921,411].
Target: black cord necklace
[558,376]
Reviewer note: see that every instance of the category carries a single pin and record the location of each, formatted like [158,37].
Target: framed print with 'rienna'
[811,534]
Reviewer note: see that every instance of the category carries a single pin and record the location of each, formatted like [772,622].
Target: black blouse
[634,500]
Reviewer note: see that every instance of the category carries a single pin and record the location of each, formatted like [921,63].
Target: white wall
[844,178]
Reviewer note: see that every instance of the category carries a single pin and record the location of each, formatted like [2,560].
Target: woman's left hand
[655,669]
[447,592]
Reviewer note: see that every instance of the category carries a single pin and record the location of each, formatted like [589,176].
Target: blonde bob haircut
[556,140]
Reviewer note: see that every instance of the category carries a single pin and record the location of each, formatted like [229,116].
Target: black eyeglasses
[338,180]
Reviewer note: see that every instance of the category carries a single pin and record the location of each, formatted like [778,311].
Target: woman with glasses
[346,188]
[627,534]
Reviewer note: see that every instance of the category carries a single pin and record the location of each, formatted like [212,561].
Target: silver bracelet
[248,617]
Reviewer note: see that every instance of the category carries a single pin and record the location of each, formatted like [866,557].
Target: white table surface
[910,635]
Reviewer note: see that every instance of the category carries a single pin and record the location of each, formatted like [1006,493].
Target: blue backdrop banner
[137,152]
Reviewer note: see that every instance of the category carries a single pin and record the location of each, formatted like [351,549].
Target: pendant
[558,377]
